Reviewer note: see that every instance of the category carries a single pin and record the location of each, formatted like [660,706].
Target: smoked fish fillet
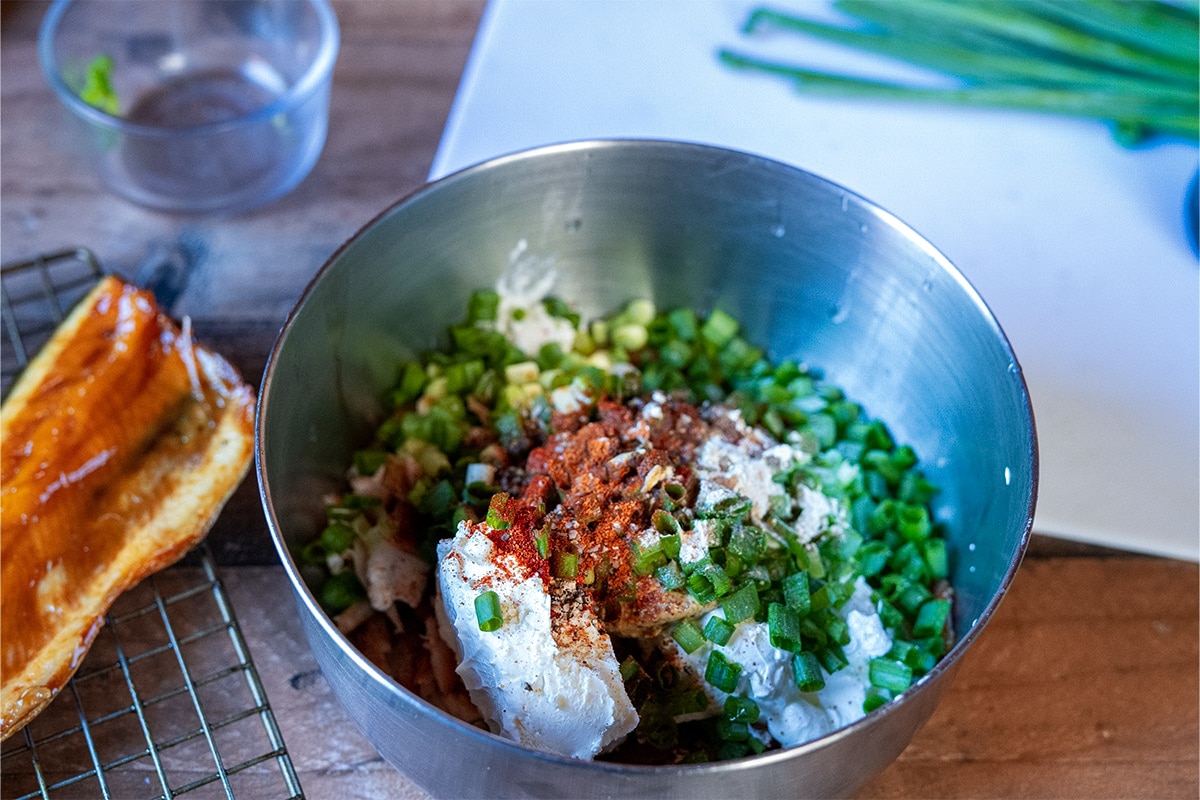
[119,444]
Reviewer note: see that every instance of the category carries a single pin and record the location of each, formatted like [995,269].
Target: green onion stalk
[1131,63]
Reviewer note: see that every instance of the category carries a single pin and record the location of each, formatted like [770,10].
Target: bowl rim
[944,668]
[317,72]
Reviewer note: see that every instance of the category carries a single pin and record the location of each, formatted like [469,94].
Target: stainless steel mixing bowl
[812,270]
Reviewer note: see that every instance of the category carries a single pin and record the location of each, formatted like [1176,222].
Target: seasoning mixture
[634,538]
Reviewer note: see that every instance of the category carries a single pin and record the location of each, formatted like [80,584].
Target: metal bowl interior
[812,270]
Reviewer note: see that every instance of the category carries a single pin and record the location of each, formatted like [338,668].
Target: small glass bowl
[202,107]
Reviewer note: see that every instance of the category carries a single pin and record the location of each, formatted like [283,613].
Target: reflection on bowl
[195,107]
[814,272]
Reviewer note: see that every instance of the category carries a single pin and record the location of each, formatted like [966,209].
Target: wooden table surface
[1085,683]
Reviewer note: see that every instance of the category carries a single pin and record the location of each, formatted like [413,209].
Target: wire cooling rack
[167,701]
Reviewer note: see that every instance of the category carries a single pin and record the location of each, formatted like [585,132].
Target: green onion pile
[1132,63]
[450,406]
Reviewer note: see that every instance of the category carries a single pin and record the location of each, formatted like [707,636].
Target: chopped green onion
[630,337]
[647,559]
[487,611]
[732,731]
[783,626]
[639,311]
[875,698]
[701,588]
[838,631]
[873,557]
[813,634]
[683,323]
[689,636]
[877,436]
[542,541]
[807,671]
[337,538]
[342,591]
[98,89]
[676,353]
[665,523]
[931,618]
[556,307]
[722,673]
[914,523]
[832,657]
[915,489]
[670,545]
[410,385]
[907,561]
[565,565]
[934,644]
[912,597]
[921,660]
[902,649]
[313,553]
[670,576]
[357,502]
[889,674]
[390,432]
[883,517]
[741,709]
[463,376]
[742,604]
[440,500]
[738,355]
[820,597]
[934,551]
[824,428]
[719,328]
[889,615]
[550,355]
[368,462]
[727,751]
[748,543]
[495,521]
[734,507]
[707,579]
[692,701]
[796,593]
[482,305]
[718,630]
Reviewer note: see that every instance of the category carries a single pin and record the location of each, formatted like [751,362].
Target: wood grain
[1084,684]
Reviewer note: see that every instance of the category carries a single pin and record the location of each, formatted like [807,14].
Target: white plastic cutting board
[1076,244]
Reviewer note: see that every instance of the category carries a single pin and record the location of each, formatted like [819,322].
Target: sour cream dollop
[793,717]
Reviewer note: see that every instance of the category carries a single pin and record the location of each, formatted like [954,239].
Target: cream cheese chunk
[561,694]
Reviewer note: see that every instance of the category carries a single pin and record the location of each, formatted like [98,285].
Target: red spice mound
[590,490]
